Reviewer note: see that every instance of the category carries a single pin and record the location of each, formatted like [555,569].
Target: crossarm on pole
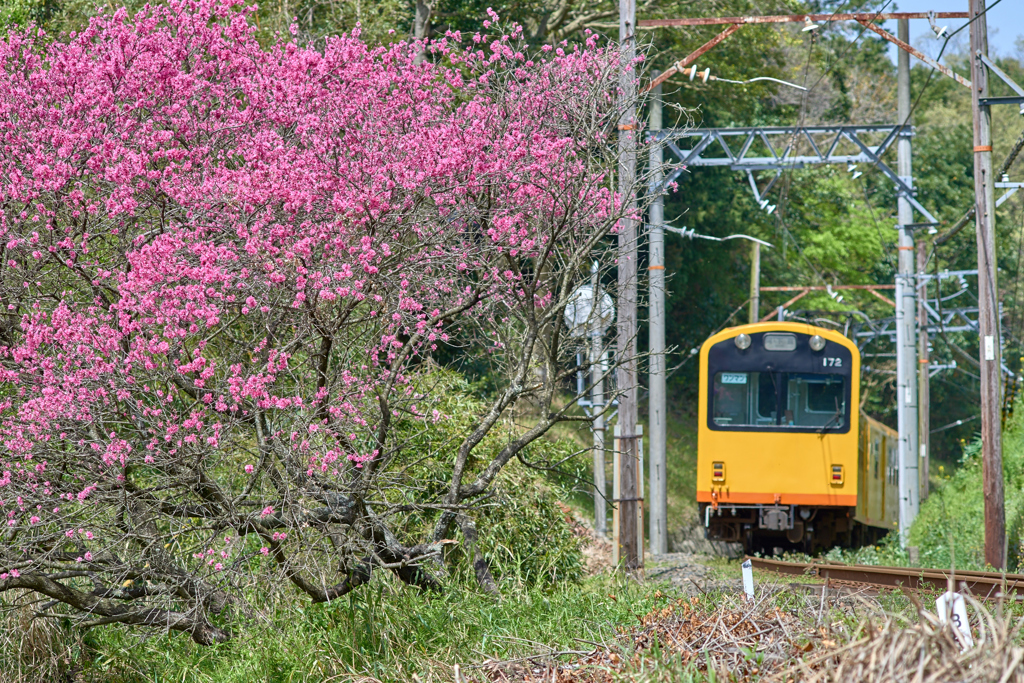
[912,50]
[795,18]
[789,303]
[692,57]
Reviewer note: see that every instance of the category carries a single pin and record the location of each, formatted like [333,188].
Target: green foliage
[951,524]
[523,532]
[23,12]
[886,553]
[950,528]
[525,535]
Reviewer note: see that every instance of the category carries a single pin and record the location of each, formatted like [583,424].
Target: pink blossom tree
[225,268]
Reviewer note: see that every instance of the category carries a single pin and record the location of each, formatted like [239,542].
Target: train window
[779,400]
[731,398]
[747,399]
[826,396]
[818,400]
[767,401]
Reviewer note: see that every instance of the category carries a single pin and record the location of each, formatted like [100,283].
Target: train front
[777,436]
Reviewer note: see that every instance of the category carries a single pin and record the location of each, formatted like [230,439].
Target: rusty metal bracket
[796,298]
[692,57]
[795,18]
[906,47]
[804,290]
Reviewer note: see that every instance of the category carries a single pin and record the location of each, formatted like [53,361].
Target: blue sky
[1005,25]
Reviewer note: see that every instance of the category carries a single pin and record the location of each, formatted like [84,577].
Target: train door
[876,502]
[892,482]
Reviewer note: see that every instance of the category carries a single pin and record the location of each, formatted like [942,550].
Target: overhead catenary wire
[1017,147]
[783,203]
[943,238]
[787,180]
[692,353]
[762,78]
[954,424]
[691,233]
[1005,166]
[780,218]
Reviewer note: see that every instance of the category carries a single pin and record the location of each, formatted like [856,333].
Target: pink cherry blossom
[217,251]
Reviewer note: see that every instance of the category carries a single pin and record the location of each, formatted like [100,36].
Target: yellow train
[785,458]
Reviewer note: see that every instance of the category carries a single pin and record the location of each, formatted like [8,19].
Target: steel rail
[986,585]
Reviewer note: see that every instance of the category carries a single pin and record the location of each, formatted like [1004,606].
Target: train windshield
[779,400]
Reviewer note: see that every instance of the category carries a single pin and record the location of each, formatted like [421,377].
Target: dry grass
[787,637]
[718,636]
[924,652]
[33,649]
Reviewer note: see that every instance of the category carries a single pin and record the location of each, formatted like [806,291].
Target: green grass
[386,632]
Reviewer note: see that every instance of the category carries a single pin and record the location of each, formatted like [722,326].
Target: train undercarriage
[767,529]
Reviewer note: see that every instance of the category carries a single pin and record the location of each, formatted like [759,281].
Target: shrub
[950,528]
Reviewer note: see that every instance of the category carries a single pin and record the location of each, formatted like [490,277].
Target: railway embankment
[798,626]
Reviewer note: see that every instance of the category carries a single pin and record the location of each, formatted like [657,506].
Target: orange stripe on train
[739,498]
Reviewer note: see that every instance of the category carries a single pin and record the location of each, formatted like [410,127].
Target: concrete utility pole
[626,373]
[755,282]
[657,403]
[923,362]
[906,309]
[988,305]
[421,25]
[598,369]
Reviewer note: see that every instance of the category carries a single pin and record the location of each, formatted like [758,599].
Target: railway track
[984,585]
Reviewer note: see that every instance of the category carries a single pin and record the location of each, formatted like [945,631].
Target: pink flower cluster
[221,259]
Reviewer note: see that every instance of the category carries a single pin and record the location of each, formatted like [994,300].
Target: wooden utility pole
[923,361]
[626,373]
[656,402]
[988,303]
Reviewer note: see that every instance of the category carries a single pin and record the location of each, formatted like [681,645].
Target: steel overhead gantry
[941,317]
[787,147]
[710,147]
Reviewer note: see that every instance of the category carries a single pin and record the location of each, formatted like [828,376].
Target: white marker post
[748,580]
[952,606]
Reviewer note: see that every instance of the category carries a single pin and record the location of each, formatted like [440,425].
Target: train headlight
[742,342]
[817,342]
